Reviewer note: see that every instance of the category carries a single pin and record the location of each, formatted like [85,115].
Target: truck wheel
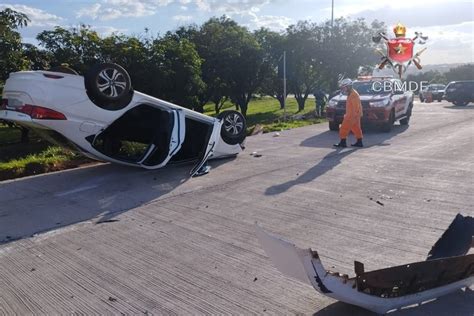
[234,127]
[109,86]
[406,120]
[333,126]
[387,127]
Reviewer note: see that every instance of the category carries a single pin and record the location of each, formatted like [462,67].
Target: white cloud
[449,43]
[108,30]
[231,6]
[182,18]
[274,23]
[38,17]
[114,9]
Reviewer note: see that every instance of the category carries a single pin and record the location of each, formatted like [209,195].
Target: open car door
[209,150]
[146,135]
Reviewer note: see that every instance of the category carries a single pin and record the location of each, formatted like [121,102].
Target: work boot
[342,144]
[358,143]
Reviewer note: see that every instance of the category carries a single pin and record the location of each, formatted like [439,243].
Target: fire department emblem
[399,50]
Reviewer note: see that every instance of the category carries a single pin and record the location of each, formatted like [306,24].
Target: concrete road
[108,239]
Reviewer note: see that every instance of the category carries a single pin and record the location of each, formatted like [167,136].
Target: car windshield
[370,88]
[467,84]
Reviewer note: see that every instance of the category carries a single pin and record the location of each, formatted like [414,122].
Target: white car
[104,118]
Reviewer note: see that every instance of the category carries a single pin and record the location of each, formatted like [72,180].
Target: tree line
[216,61]
[462,72]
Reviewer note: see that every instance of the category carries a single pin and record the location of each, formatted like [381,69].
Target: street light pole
[284,85]
[332,14]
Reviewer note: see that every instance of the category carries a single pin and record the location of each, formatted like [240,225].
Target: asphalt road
[109,239]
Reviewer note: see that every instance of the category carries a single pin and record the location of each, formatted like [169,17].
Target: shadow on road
[39,204]
[333,159]
[458,303]
[454,107]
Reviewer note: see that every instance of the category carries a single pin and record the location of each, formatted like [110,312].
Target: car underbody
[447,268]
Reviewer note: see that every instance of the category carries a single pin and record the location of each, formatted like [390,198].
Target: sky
[448,23]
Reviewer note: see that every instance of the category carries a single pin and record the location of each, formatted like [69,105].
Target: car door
[206,154]
[146,135]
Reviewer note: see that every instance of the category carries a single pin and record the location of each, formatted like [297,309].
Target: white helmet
[345,83]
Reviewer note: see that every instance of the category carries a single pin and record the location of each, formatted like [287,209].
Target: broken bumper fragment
[447,269]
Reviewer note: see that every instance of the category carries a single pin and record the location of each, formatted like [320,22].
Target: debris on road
[447,268]
[258,129]
[107,221]
[256,154]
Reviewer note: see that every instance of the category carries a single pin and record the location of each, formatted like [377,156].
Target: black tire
[333,126]
[387,127]
[109,86]
[234,127]
[439,100]
[406,120]
[461,103]
[422,100]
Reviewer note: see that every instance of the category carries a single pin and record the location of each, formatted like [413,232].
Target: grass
[8,135]
[52,158]
[266,112]
[37,156]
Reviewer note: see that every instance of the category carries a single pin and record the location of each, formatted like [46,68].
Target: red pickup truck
[384,101]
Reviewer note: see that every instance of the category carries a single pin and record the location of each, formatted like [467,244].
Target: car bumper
[371,116]
[16,117]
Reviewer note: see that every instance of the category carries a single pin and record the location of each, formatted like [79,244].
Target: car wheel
[333,126]
[234,127]
[387,127]
[461,103]
[439,100]
[109,86]
[406,120]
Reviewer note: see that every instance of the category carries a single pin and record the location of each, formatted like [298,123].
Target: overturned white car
[448,268]
[104,118]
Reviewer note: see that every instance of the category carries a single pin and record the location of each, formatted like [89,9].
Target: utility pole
[332,14]
[284,85]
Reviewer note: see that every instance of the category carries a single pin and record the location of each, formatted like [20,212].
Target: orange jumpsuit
[351,122]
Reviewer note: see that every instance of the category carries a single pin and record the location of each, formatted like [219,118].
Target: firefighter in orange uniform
[351,122]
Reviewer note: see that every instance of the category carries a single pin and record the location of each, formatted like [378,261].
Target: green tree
[273,45]
[11,54]
[134,55]
[37,59]
[302,61]
[175,71]
[463,72]
[247,69]
[78,47]
[215,43]
[432,76]
[346,46]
